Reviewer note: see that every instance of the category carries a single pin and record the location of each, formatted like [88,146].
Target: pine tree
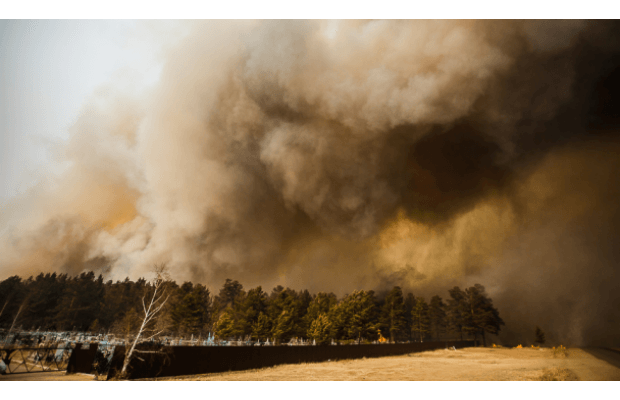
[304,298]
[188,314]
[12,295]
[261,329]
[231,292]
[284,326]
[357,316]
[205,301]
[420,319]
[227,327]
[455,311]
[540,336]
[254,304]
[80,302]
[322,303]
[129,324]
[437,317]
[287,325]
[409,305]
[481,316]
[393,314]
[320,330]
[43,295]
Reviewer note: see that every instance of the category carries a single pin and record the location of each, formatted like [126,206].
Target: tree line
[87,303]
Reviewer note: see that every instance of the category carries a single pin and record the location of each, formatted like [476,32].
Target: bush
[558,374]
[560,351]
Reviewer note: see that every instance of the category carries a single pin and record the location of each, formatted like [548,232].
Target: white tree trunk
[155,306]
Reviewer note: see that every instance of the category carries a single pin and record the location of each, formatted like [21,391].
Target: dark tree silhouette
[481,316]
[393,314]
[456,311]
[540,336]
[437,317]
[420,319]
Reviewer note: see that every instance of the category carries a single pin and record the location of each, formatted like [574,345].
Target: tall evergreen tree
[12,295]
[409,305]
[356,317]
[322,303]
[481,316]
[420,319]
[284,326]
[437,317]
[304,298]
[261,329]
[393,314]
[254,304]
[189,313]
[540,336]
[227,327]
[230,293]
[128,325]
[80,302]
[284,310]
[456,311]
[320,330]
[43,299]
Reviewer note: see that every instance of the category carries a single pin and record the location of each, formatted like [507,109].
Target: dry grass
[560,351]
[473,364]
[558,374]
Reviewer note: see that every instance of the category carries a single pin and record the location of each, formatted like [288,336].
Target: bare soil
[47,376]
[472,364]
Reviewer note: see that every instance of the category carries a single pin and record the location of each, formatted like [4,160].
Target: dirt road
[612,356]
[47,376]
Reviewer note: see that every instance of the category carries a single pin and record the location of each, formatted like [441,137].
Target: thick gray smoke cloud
[335,156]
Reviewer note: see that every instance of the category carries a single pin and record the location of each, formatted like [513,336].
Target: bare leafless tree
[14,321]
[151,307]
[3,307]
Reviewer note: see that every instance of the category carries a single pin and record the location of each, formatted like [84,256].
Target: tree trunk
[128,355]
[5,304]
[13,324]
[484,340]
[420,328]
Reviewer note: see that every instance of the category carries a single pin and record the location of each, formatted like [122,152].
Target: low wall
[81,360]
[190,360]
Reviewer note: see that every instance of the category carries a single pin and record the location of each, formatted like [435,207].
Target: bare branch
[3,307]
[155,306]
[153,335]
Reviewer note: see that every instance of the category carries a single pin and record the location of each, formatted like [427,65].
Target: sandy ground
[47,376]
[472,364]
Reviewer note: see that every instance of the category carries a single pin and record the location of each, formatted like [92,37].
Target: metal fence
[16,360]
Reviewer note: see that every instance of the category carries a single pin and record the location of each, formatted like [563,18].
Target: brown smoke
[359,154]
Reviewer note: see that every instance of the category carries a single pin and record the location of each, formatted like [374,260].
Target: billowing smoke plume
[335,156]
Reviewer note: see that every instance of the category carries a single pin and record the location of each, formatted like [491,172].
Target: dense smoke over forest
[337,156]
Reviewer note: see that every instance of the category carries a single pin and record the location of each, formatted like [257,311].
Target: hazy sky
[49,69]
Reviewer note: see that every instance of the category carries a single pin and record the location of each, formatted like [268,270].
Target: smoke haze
[335,156]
